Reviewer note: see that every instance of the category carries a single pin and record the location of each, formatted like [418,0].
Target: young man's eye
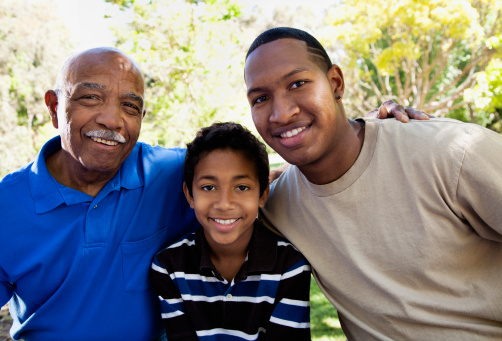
[243,188]
[208,188]
[297,84]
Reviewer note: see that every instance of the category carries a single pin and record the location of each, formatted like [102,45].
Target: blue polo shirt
[75,267]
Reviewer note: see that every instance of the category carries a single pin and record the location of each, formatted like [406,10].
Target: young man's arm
[177,324]
[479,185]
[290,319]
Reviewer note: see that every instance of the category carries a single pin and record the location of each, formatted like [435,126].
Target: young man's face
[226,197]
[105,96]
[293,100]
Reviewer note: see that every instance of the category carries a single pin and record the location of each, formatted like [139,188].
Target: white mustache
[107,135]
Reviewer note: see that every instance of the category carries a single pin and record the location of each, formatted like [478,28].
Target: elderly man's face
[100,113]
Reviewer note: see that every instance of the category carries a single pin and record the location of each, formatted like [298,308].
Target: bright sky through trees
[86,18]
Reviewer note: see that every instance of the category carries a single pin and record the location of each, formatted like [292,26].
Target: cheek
[260,120]
[133,127]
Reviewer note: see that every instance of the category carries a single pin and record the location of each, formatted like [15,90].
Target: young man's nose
[283,109]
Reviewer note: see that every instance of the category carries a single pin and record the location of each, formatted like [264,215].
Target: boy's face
[226,198]
[293,101]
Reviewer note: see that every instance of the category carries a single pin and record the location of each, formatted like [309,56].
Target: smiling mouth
[291,133]
[107,142]
[225,221]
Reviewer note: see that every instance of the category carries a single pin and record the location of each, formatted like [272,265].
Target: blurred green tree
[486,97]
[419,53]
[33,48]
[191,54]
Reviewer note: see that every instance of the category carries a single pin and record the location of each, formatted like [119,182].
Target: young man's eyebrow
[289,74]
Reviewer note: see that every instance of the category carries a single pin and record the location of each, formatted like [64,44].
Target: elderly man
[80,225]
[400,222]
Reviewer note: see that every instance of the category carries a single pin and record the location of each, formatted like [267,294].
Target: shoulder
[184,246]
[149,153]
[15,177]
[156,162]
[185,242]
[424,129]
[15,184]
[287,254]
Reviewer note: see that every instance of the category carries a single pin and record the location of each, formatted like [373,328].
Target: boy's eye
[297,84]
[208,188]
[243,188]
[260,99]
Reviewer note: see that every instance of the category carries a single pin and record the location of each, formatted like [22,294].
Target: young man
[400,222]
[231,278]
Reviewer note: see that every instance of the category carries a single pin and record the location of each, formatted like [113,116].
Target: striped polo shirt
[267,299]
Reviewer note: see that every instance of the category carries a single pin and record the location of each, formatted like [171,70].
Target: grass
[324,322]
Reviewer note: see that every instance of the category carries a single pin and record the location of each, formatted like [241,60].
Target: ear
[187,194]
[51,100]
[335,77]
[264,197]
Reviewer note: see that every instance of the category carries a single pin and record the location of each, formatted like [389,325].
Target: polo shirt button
[95,206]
[229,296]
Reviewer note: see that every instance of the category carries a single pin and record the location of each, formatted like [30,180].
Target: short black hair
[314,47]
[230,136]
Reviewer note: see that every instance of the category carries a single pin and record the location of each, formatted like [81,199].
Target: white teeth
[107,142]
[225,221]
[293,132]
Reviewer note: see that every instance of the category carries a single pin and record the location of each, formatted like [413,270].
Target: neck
[341,157]
[75,177]
[228,259]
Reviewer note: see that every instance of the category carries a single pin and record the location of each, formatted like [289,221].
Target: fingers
[392,109]
[417,114]
[372,113]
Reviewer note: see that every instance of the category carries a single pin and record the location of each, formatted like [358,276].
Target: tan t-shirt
[407,244]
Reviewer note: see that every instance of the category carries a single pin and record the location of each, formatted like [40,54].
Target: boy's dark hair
[226,135]
[314,47]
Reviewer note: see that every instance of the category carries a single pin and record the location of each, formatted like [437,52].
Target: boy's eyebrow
[213,177]
[289,74]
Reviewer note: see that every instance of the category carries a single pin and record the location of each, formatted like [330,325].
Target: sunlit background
[443,57]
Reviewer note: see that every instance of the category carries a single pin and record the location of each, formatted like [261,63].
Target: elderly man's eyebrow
[134,97]
[87,85]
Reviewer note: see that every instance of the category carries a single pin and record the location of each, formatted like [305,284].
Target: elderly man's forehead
[94,57]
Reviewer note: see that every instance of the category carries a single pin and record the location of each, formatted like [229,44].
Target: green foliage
[191,54]
[419,53]
[486,96]
[32,50]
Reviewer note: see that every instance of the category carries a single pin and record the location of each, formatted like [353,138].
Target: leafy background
[440,56]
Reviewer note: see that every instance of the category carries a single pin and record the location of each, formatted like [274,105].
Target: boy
[232,278]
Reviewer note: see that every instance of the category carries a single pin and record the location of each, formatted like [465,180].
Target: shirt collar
[49,194]
[261,257]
